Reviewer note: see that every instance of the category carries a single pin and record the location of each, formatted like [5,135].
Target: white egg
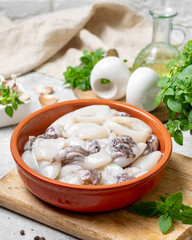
[113,69]
[142,88]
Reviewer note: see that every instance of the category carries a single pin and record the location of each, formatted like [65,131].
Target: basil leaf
[186,216]
[147,209]
[161,206]
[163,82]
[184,125]
[159,97]
[175,200]
[169,91]
[174,105]
[187,72]
[163,199]
[185,207]
[9,111]
[175,214]
[15,106]
[190,116]
[178,137]
[164,223]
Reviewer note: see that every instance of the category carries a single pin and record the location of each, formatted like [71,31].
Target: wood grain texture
[160,112]
[119,224]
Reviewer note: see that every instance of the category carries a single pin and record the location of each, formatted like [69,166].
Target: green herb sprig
[168,210]
[176,92]
[79,76]
[10,99]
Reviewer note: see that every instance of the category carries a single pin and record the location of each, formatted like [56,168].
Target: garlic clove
[47,100]
[43,89]
[24,97]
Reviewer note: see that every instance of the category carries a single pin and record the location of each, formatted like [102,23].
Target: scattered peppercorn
[42,238]
[22,232]
[37,238]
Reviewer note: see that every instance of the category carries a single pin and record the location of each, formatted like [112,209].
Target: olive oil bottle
[160,51]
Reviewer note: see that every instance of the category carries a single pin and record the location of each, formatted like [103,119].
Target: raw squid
[110,172]
[138,136]
[86,131]
[97,160]
[50,170]
[94,145]
[147,162]
[94,114]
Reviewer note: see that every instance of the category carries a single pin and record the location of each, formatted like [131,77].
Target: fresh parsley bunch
[10,99]
[168,209]
[176,92]
[79,76]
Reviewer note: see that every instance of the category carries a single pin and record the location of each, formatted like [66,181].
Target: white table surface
[11,223]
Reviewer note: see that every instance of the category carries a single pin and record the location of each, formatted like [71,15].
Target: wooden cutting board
[160,112]
[114,225]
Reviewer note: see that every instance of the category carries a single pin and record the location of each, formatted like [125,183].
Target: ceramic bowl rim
[132,182]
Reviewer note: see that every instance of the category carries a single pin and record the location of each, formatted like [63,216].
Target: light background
[19,10]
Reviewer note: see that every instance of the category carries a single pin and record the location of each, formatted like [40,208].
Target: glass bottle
[160,51]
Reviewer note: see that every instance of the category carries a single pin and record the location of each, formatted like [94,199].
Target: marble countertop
[12,223]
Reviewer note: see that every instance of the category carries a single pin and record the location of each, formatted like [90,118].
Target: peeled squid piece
[147,162]
[29,158]
[134,171]
[49,170]
[86,131]
[138,136]
[70,174]
[54,131]
[132,123]
[140,174]
[127,160]
[97,160]
[110,173]
[46,149]
[66,121]
[75,141]
[93,114]
[115,113]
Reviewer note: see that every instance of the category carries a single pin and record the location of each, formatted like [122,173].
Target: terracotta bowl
[86,198]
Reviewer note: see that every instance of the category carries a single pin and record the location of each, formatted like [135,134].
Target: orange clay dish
[87,193]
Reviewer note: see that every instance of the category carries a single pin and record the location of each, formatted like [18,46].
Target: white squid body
[97,160]
[75,141]
[46,149]
[124,161]
[30,159]
[86,131]
[109,174]
[69,174]
[133,127]
[93,114]
[135,171]
[147,162]
[49,170]
[66,121]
